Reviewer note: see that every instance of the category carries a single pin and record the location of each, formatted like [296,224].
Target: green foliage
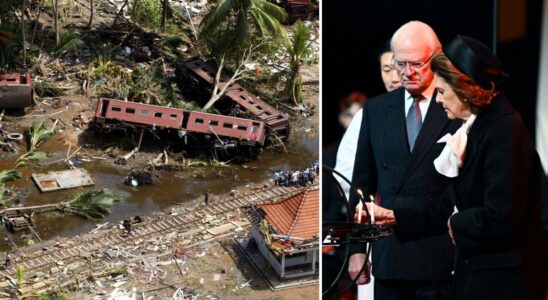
[171,44]
[52,295]
[21,275]
[94,204]
[232,26]
[69,40]
[34,155]
[9,175]
[193,106]
[147,12]
[197,163]
[46,89]
[298,48]
[39,133]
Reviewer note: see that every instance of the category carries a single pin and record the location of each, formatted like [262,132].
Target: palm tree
[232,29]
[23,33]
[165,7]
[298,49]
[234,17]
[56,21]
[91,7]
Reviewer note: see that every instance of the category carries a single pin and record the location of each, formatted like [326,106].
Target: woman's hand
[379,215]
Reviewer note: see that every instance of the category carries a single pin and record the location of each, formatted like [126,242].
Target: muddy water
[175,187]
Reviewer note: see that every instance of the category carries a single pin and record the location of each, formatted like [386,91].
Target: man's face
[412,63]
[389,75]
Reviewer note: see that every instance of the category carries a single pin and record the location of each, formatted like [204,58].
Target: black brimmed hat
[476,60]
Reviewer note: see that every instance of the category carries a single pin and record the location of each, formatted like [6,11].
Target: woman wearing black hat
[492,206]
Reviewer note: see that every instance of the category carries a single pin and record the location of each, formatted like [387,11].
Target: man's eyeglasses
[413,65]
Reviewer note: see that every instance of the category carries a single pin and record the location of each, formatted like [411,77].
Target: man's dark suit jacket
[385,167]
[498,229]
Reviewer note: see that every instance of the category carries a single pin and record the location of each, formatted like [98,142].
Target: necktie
[414,121]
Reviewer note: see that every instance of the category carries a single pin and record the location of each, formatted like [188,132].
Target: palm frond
[93,205]
[217,15]
[271,9]
[39,133]
[34,155]
[241,30]
[68,41]
[9,175]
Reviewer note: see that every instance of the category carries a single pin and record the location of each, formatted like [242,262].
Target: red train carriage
[139,113]
[190,121]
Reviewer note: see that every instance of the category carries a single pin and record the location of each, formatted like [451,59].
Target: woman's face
[454,107]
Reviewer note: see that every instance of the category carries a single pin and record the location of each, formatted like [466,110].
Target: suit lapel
[434,123]
[396,128]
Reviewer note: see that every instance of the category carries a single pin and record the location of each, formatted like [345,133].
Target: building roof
[297,216]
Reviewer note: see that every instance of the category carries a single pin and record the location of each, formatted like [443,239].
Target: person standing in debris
[127,226]
[206,197]
[7,263]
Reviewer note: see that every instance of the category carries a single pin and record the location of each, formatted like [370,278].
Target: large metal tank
[15,90]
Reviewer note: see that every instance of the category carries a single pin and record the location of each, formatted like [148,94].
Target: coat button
[466,261]
[384,166]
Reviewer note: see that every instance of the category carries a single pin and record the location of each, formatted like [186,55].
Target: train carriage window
[116,108]
[173,116]
[158,114]
[227,125]
[199,121]
[144,112]
[242,127]
[214,123]
[130,110]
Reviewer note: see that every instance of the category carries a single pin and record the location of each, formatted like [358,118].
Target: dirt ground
[218,272]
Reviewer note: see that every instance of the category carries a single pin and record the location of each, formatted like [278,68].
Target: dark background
[353,31]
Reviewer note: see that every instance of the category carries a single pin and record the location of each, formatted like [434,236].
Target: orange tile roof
[297,216]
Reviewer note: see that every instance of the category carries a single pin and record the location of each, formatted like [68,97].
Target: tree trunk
[134,9]
[56,21]
[212,101]
[36,23]
[23,34]
[91,7]
[164,15]
[120,12]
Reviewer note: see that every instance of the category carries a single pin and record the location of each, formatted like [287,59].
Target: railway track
[45,258]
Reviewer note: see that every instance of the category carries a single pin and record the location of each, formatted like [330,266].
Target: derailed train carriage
[276,122]
[223,131]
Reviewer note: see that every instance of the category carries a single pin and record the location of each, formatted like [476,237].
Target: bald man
[394,161]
